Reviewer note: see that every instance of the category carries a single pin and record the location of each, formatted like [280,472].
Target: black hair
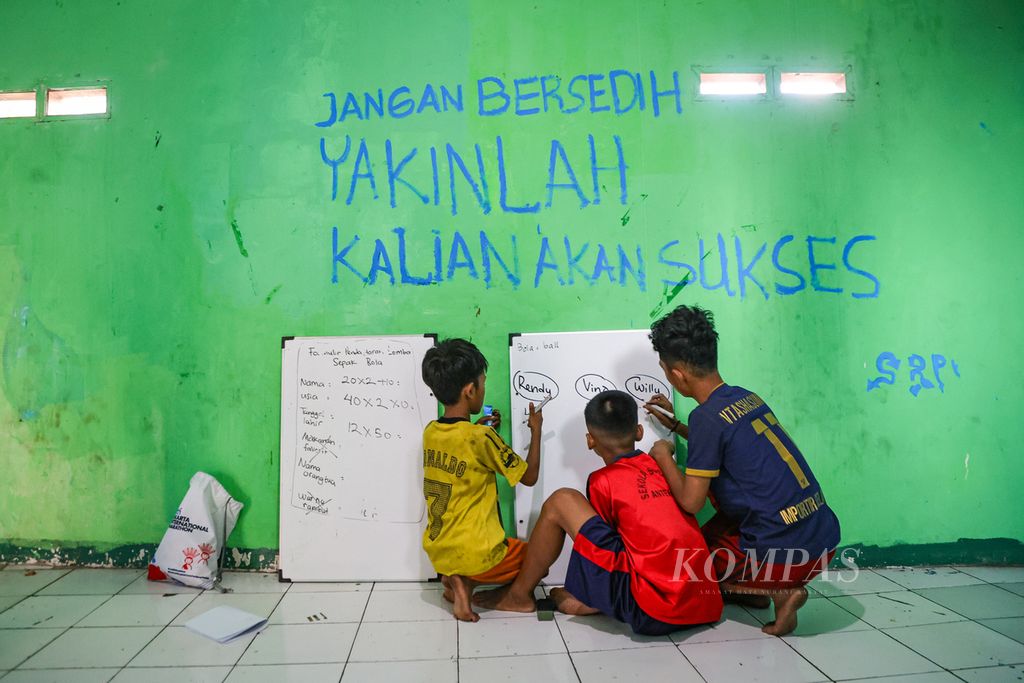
[612,412]
[450,366]
[687,335]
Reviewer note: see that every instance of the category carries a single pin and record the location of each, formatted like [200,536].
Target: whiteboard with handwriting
[353,411]
[574,367]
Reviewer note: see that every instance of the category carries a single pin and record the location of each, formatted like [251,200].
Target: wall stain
[626,217]
[238,238]
[39,368]
[670,295]
[272,293]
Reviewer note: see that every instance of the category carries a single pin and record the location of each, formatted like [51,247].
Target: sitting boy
[629,537]
[773,527]
[464,538]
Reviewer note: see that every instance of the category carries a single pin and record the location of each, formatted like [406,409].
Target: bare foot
[786,605]
[503,599]
[567,603]
[748,600]
[448,595]
[463,594]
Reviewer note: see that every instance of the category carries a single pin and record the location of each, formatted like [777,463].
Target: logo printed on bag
[190,555]
[183,523]
[206,551]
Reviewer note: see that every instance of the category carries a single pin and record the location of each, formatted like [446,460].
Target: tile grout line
[975,668]
[49,642]
[920,654]
[925,597]
[967,618]
[692,665]
[973,566]
[166,626]
[258,632]
[283,594]
[157,634]
[1000,587]
[162,628]
[801,656]
[359,626]
[829,599]
[952,672]
[566,645]
[915,591]
[859,618]
[896,640]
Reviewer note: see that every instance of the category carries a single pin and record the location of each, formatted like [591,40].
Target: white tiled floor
[921,625]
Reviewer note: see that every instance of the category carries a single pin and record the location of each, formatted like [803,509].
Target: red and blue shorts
[607,588]
[743,569]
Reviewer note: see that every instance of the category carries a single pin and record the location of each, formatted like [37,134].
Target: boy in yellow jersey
[464,538]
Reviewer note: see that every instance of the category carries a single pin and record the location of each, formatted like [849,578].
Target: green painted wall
[151,261]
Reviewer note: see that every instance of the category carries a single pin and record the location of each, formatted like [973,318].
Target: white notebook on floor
[224,624]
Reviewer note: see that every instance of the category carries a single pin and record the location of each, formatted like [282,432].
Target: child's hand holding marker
[536,418]
[660,407]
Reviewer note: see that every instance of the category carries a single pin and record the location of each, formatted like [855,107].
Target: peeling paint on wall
[130,556]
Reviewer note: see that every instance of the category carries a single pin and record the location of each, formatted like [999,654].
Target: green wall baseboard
[124,556]
[992,551]
[984,551]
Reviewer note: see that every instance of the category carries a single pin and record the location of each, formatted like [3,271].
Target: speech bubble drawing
[534,386]
[590,385]
[642,387]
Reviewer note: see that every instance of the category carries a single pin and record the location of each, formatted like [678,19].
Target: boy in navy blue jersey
[773,531]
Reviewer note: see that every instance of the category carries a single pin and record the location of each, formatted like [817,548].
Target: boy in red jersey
[628,536]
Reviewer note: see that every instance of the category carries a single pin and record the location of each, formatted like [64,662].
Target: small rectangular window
[14,105]
[733,84]
[804,83]
[76,101]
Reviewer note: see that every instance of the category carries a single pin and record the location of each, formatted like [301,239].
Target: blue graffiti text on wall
[618,92]
[443,173]
[888,364]
[735,273]
[545,260]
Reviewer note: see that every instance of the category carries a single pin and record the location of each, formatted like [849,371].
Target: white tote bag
[191,550]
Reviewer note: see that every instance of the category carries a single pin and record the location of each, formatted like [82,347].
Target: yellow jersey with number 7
[464,533]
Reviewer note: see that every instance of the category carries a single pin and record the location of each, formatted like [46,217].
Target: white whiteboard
[353,411]
[574,367]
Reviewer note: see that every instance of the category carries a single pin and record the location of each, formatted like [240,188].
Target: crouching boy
[464,538]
